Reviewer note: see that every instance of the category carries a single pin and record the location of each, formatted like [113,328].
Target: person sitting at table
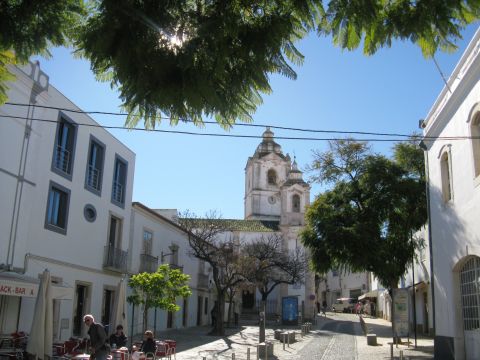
[118,338]
[148,345]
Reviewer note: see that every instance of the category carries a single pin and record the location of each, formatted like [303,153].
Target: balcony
[176,267]
[115,259]
[148,263]
[93,177]
[202,282]
[117,192]
[62,159]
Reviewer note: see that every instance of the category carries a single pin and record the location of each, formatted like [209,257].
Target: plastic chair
[172,347]
[162,351]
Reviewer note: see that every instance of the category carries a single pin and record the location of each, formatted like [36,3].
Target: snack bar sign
[13,288]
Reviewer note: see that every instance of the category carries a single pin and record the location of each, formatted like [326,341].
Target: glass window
[446,177]
[147,242]
[64,147]
[475,132]
[470,292]
[57,208]
[119,181]
[295,203]
[272,177]
[93,177]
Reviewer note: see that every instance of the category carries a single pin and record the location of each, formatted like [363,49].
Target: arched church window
[272,177]
[475,132]
[295,203]
[445,167]
[470,293]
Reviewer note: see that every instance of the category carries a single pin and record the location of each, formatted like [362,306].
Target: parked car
[344,305]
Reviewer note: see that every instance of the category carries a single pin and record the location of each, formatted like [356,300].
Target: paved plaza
[337,336]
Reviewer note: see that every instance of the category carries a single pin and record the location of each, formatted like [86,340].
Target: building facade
[66,189]
[452,151]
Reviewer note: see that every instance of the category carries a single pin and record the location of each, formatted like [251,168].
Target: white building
[156,239]
[452,130]
[65,192]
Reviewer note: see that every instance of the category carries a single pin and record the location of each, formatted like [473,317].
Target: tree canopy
[186,59]
[31,27]
[159,289]
[365,220]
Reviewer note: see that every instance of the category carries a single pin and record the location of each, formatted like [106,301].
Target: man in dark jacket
[98,337]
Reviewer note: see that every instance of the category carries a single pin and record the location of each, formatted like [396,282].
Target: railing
[117,192]
[115,259]
[93,177]
[176,267]
[62,159]
[148,263]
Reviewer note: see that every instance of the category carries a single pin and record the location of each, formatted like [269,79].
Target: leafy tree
[186,59]
[159,289]
[209,243]
[266,264]
[31,27]
[365,220]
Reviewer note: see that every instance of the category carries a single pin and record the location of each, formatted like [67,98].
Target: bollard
[283,341]
[391,351]
[258,352]
[288,336]
[233,356]
[401,354]
[248,353]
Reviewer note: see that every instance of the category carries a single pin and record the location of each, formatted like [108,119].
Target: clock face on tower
[272,199]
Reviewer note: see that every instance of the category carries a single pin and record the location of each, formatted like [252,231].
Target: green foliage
[431,24]
[6,58]
[159,289]
[365,221]
[186,59]
[31,27]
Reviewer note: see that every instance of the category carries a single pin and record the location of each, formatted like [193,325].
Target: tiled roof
[244,225]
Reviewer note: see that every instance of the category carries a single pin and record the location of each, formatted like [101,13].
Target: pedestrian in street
[99,348]
[324,308]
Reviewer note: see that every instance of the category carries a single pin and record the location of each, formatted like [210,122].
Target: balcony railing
[62,159]
[93,177]
[117,192]
[202,281]
[176,267]
[115,259]
[148,263]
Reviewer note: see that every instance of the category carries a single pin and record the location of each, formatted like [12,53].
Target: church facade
[276,197]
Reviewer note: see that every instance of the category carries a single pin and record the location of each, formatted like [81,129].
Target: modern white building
[65,198]
[156,239]
[338,284]
[452,144]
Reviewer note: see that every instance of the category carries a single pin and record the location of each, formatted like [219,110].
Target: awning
[370,294]
[15,284]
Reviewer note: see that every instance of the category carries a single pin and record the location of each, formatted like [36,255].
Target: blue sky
[335,90]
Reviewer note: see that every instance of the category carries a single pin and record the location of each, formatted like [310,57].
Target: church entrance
[248,298]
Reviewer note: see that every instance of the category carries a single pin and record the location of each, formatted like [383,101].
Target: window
[296,203]
[57,208]
[63,152]
[470,292]
[445,166]
[475,132]
[90,213]
[147,242]
[119,181]
[271,177]
[94,172]
[114,232]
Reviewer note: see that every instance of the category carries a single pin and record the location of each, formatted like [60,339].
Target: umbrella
[40,339]
[119,316]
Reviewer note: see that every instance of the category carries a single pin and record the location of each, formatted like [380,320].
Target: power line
[402,137]
[216,123]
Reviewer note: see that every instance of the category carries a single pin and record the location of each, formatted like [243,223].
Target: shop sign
[13,288]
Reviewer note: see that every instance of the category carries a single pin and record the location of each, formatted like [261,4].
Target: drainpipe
[430,242]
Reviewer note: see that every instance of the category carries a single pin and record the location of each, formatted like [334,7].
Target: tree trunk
[219,328]
[263,316]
